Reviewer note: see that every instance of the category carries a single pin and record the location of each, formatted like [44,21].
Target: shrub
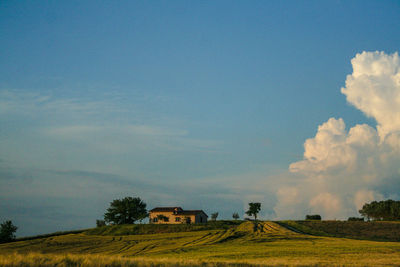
[315,217]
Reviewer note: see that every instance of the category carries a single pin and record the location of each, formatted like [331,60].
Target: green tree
[383,210]
[254,209]
[214,216]
[126,211]
[7,230]
[235,216]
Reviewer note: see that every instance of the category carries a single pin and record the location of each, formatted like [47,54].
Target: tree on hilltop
[254,209]
[214,216]
[7,230]
[235,216]
[126,211]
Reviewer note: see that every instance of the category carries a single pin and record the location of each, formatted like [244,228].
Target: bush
[314,217]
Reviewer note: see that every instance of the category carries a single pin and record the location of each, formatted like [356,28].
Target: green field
[247,244]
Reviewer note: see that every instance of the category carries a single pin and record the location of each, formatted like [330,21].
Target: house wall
[198,218]
[171,218]
[201,218]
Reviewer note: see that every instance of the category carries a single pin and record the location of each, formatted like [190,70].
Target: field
[247,244]
[375,230]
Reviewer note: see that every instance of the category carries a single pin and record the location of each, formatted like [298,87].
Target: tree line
[387,210]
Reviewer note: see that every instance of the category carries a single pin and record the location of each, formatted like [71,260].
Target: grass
[51,234]
[247,244]
[67,260]
[135,229]
[376,230]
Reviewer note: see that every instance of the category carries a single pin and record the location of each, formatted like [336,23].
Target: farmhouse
[176,215]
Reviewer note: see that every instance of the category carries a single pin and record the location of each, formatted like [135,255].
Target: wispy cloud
[143,130]
[111,121]
[26,102]
[60,152]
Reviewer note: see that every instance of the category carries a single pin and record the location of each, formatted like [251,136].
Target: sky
[200,104]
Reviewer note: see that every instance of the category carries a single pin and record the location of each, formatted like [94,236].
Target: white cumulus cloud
[374,88]
[343,169]
[328,203]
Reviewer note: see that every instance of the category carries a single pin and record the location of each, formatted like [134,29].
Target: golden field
[247,244]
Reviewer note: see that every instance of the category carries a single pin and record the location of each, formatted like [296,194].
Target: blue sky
[169,99]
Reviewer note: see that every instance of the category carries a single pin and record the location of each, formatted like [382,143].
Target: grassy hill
[246,244]
[135,229]
[376,230]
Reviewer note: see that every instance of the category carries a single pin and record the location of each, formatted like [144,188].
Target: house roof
[160,209]
[191,212]
[180,211]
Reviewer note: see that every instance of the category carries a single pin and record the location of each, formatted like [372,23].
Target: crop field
[374,230]
[247,244]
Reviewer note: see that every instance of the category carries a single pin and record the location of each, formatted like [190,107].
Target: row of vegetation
[142,229]
[388,210]
[373,230]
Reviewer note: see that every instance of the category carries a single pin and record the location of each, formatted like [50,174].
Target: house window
[155,220]
[177,219]
[166,219]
